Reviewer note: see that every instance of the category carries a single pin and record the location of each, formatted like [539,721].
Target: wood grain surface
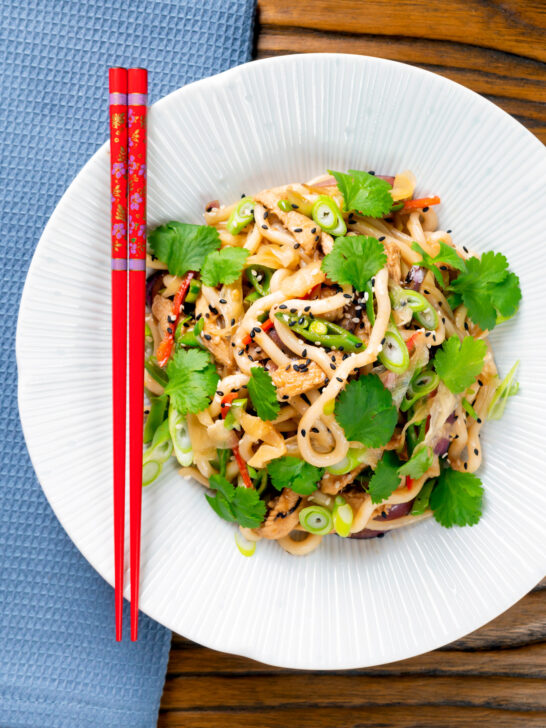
[497,675]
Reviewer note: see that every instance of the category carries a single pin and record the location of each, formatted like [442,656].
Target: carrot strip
[165,348]
[266,326]
[409,482]
[422,202]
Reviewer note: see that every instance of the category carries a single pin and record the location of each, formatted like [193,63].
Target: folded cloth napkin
[59,663]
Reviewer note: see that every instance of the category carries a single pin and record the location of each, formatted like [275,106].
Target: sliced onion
[441,446]
[416,275]
[153,285]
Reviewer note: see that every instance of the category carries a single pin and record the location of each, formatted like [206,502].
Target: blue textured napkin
[59,663]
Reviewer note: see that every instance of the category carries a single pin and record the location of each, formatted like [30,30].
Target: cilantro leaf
[223,266]
[236,504]
[294,473]
[446,255]
[192,380]
[366,412]
[183,247]
[457,498]
[459,363]
[354,260]
[263,394]
[487,287]
[386,478]
[419,463]
[363,192]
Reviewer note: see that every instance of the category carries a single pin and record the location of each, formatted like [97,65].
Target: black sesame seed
[252,334]
[317,238]
[466,466]
[371,172]
[293,310]
[241,352]
[208,337]
[333,367]
[314,429]
[443,267]
[264,227]
[295,207]
[427,333]
[476,451]
[283,305]
[426,292]
[425,209]
[307,308]
[169,330]
[207,315]
[479,420]
[339,379]
[301,321]
[297,245]
[345,356]
[383,340]
[199,315]
[443,320]
[381,238]
[222,300]
[313,230]
[291,323]
[448,231]
[220,394]
[287,368]
[266,213]
[304,352]
[466,326]
[233,322]
[341,348]
[251,359]
[465,249]
[233,343]
[212,309]
[303,433]
[358,346]
[347,295]
[480,382]
[286,396]
[298,230]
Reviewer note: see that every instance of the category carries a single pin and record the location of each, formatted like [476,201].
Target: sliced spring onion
[350,461]
[233,417]
[161,447]
[259,276]
[178,430]
[428,318]
[318,327]
[150,471]
[370,313]
[507,388]
[155,371]
[342,517]
[285,205]
[189,337]
[394,354]
[241,216]
[252,297]
[316,520]
[469,409]
[422,383]
[329,407]
[193,291]
[158,407]
[246,547]
[420,504]
[402,297]
[327,214]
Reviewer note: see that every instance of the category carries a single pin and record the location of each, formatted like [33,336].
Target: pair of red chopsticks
[128,105]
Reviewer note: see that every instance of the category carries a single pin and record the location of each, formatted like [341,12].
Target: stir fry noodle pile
[318,358]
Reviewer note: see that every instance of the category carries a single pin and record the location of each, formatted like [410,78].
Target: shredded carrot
[422,202]
[266,326]
[410,343]
[225,406]
[164,350]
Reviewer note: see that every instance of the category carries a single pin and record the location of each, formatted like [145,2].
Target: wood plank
[348,690]
[516,26]
[369,717]
[191,659]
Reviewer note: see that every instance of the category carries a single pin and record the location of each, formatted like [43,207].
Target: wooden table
[495,676]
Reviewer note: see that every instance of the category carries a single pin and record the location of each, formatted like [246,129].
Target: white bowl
[350,603]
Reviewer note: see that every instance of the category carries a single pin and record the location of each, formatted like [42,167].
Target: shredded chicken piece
[283,515]
[305,231]
[162,309]
[393,262]
[333,484]
[291,382]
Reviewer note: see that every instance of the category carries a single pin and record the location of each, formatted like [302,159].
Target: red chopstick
[118,186]
[137,103]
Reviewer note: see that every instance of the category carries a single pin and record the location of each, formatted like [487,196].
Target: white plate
[351,603]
